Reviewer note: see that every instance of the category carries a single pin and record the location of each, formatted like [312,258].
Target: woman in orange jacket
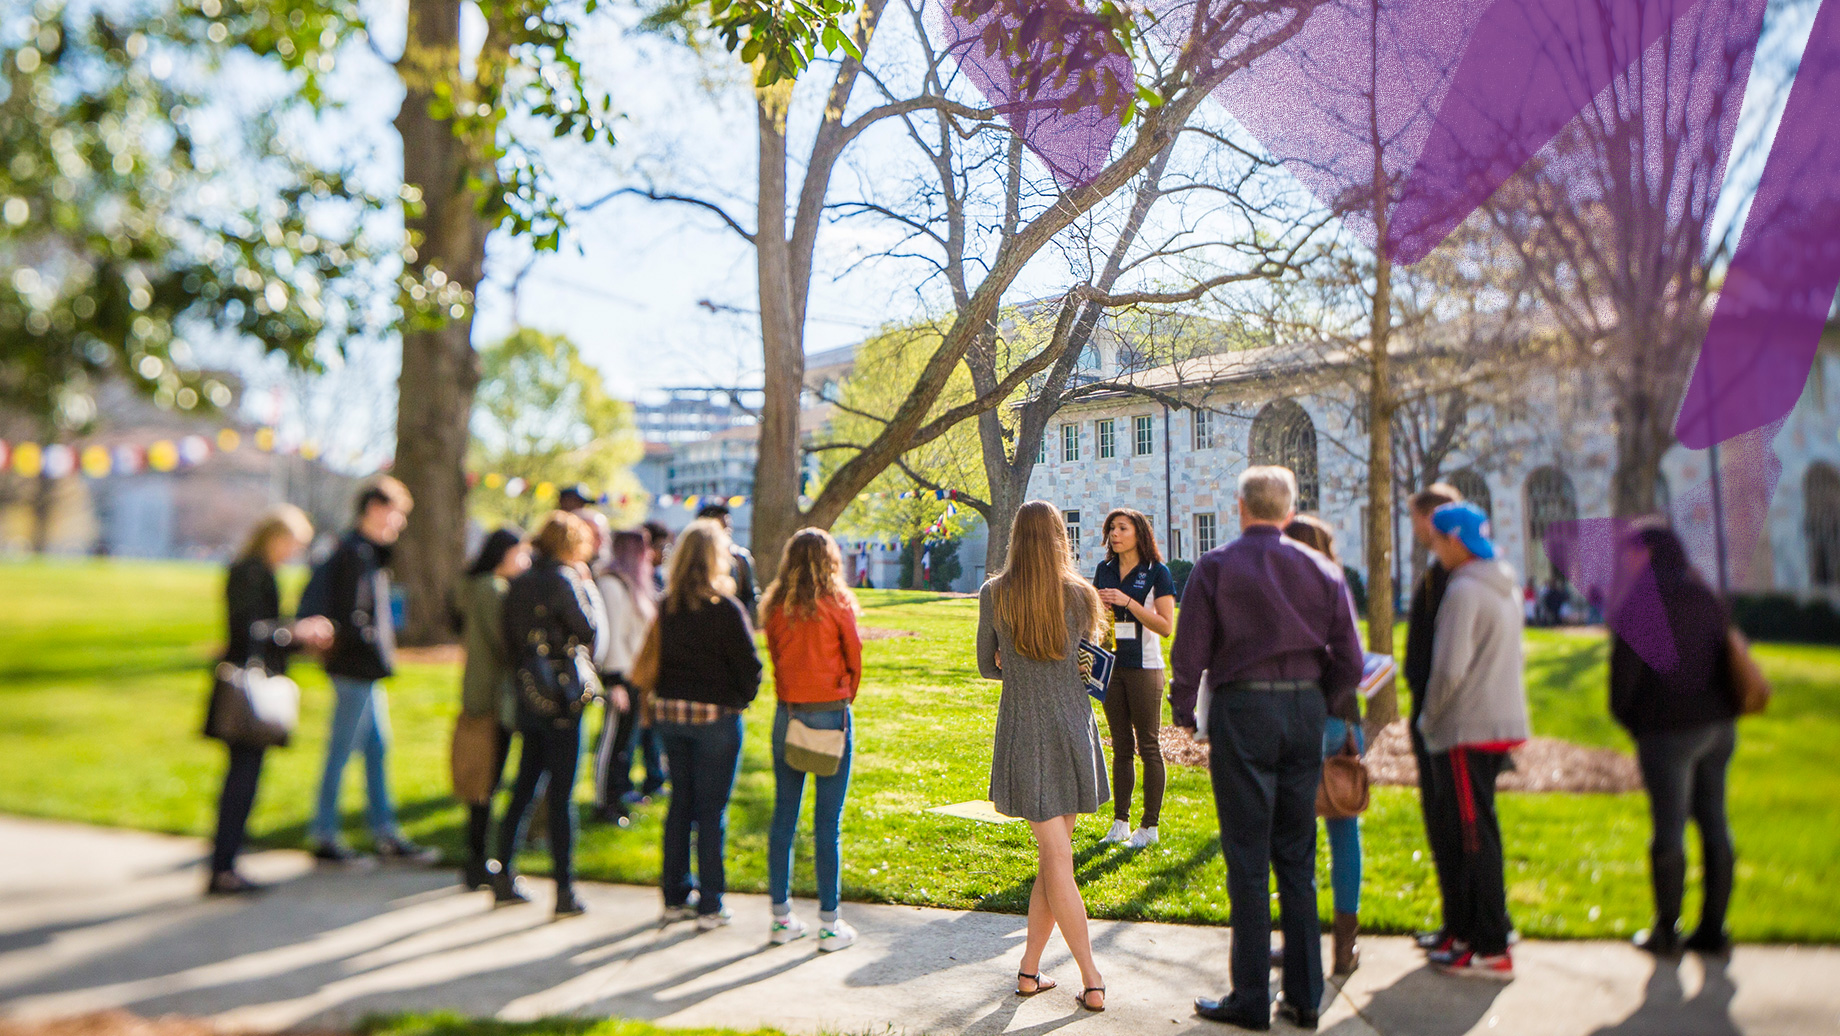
[810,618]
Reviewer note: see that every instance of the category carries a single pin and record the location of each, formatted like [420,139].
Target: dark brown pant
[1134,712]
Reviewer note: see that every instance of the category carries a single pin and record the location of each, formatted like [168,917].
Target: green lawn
[103,677]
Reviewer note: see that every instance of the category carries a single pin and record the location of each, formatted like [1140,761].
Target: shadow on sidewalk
[1667,1011]
[1423,1003]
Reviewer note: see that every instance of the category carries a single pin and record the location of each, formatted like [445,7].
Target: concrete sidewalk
[93,918]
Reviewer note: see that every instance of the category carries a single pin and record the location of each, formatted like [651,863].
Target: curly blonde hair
[810,570]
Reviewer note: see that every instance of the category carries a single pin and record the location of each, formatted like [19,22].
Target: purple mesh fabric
[1782,279]
[1075,144]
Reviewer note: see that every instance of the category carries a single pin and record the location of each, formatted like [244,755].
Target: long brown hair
[1315,534]
[1031,591]
[1146,537]
[700,567]
[810,570]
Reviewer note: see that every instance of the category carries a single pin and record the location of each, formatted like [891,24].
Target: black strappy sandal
[1088,1004]
[1042,985]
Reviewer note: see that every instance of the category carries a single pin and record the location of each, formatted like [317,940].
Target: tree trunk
[440,370]
[44,500]
[776,473]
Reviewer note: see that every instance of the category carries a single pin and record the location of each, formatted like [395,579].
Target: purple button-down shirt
[1263,607]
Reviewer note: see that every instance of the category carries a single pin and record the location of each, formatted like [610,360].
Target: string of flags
[99,460]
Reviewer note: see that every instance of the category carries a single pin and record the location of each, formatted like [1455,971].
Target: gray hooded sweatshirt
[1476,694]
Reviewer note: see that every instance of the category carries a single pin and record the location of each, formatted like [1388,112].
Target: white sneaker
[1141,838]
[1119,832]
[683,912]
[835,936]
[710,922]
[786,929]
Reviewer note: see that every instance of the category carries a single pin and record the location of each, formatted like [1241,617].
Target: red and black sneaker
[1446,944]
[1469,963]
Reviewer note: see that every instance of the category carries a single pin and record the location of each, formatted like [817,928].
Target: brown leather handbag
[1748,684]
[1343,792]
[474,750]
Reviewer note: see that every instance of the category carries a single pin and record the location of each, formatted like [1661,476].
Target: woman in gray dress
[1048,766]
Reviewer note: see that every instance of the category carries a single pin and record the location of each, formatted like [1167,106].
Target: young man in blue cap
[1475,712]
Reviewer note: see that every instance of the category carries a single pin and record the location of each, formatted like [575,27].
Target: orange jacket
[816,659]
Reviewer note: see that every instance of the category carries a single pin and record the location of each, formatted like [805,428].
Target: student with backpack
[352,589]
[810,615]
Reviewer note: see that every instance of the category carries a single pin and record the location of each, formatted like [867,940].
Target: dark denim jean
[702,759]
[551,758]
[827,811]
[1684,772]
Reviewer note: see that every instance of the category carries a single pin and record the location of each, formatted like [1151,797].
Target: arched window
[1474,488]
[1550,499]
[1821,524]
[1283,434]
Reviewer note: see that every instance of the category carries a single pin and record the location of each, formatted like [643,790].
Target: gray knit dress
[1047,760]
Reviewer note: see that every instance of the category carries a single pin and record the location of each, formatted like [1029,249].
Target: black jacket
[707,654]
[743,575]
[550,604]
[358,603]
[1421,629]
[1695,692]
[256,631]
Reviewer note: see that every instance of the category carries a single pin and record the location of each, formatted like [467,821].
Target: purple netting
[1781,283]
[1074,145]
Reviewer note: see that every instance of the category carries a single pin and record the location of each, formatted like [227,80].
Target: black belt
[817,706]
[1271,685]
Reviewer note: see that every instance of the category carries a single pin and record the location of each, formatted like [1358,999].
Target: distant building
[200,511]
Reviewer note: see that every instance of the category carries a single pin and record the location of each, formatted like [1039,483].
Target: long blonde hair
[810,570]
[1031,591]
[700,567]
[282,520]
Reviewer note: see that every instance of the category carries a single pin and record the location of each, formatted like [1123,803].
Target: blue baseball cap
[1466,522]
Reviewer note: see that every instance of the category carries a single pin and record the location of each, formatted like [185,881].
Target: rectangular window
[1204,429]
[1175,543]
[1204,533]
[1070,441]
[1108,438]
[1041,450]
[1073,531]
[1143,437]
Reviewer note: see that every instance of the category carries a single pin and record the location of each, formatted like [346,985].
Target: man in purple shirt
[1270,625]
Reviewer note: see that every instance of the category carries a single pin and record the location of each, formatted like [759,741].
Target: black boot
[507,888]
[477,874]
[566,903]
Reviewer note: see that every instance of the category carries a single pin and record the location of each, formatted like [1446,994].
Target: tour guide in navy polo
[1271,624]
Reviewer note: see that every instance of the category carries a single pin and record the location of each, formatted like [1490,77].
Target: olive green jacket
[485,689]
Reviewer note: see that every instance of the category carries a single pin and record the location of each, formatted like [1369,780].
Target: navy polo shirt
[1138,648]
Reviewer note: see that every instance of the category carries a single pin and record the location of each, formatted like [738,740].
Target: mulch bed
[1542,764]
[878,633]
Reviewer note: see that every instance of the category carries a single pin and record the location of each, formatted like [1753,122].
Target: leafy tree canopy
[543,414]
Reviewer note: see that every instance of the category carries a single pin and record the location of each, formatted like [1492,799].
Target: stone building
[1171,440]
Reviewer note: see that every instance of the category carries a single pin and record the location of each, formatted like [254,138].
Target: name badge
[1125,631]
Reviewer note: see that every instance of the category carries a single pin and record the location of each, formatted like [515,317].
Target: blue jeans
[703,759]
[827,811]
[1344,835]
[360,718]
